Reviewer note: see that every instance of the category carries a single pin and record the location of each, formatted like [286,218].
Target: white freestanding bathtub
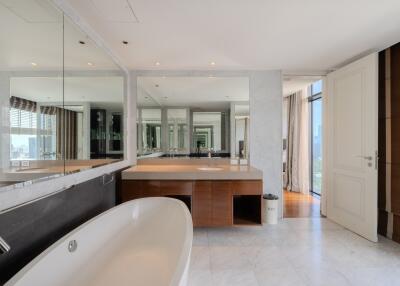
[143,242]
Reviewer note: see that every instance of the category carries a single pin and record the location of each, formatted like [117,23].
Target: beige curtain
[297,167]
[66,133]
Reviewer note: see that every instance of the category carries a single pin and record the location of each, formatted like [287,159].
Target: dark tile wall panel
[32,228]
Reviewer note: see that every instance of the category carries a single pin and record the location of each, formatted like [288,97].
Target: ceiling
[32,32]
[308,35]
[195,92]
[295,83]
[99,91]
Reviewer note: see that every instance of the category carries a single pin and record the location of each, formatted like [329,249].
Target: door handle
[369,158]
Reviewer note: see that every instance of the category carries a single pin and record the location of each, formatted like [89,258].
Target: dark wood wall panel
[396,228]
[389,143]
[394,80]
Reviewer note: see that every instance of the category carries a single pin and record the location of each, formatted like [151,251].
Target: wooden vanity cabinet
[202,197]
[212,203]
[221,203]
[135,189]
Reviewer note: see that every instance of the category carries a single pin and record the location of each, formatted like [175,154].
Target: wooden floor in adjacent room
[300,205]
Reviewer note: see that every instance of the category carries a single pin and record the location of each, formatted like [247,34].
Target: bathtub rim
[184,256]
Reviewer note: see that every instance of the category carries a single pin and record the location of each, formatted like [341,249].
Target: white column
[130,110]
[266,129]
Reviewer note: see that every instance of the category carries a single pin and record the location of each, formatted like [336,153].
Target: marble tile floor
[297,251]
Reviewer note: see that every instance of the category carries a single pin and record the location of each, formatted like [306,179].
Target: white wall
[266,129]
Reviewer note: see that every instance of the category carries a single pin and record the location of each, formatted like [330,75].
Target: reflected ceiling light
[34,64]
[157,63]
[212,63]
[90,64]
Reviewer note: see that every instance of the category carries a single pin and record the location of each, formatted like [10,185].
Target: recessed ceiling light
[212,63]
[82,42]
[125,42]
[157,63]
[90,64]
[34,64]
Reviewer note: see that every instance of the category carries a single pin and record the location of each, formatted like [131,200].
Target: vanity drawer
[250,187]
[169,188]
[135,189]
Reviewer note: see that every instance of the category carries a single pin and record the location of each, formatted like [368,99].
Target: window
[178,138]
[23,129]
[208,131]
[316,138]
[151,128]
[48,138]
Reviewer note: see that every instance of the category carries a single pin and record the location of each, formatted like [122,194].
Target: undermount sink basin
[210,169]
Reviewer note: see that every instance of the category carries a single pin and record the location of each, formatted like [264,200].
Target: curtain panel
[23,104]
[66,133]
[297,167]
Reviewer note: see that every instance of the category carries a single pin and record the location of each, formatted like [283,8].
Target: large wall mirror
[193,117]
[61,96]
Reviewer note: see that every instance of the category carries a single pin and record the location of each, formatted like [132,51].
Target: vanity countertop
[51,168]
[192,172]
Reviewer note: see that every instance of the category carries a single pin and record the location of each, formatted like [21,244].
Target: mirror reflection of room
[193,117]
[61,98]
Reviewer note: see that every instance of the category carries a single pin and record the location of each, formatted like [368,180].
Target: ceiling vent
[36,11]
[118,11]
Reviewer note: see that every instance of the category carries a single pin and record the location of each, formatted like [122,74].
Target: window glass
[316,87]
[151,128]
[208,131]
[316,160]
[178,130]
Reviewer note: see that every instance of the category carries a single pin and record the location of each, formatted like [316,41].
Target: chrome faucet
[4,247]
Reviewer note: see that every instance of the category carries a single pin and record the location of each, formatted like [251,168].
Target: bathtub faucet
[4,247]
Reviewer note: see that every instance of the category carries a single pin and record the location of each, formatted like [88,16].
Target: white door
[351,146]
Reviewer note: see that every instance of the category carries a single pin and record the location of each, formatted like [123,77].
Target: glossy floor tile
[297,251]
